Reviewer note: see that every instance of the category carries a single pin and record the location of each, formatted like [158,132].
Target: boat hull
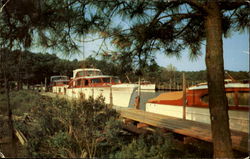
[148,87]
[60,89]
[238,120]
[118,95]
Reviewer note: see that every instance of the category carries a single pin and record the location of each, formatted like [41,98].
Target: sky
[236,55]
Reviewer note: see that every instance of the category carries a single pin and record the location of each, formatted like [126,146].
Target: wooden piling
[184,95]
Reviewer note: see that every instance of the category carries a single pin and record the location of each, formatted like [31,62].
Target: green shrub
[61,128]
[149,146]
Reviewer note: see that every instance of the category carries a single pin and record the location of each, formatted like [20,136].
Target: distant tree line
[32,68]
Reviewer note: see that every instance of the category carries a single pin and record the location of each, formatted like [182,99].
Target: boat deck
[184,127]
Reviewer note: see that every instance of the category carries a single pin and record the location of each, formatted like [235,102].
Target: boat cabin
[59,80]
[82,72]
[94,81]
[197,96]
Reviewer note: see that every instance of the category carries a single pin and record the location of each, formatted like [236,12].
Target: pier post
[45,84]
[184,95]
[137,99]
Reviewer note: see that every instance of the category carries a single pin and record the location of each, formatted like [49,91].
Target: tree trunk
[10,119]
[218,104]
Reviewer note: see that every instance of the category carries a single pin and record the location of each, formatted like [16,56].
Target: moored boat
[171,104]
[88,83]
[147,85]
[59,84]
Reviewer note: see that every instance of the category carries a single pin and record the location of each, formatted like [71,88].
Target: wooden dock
[184,127]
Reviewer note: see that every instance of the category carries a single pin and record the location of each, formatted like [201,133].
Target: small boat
[147,85]
[91,82]
[59,84]
[171,104]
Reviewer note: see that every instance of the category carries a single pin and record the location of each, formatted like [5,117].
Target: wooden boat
[59,84]
[90,82]
[171,104]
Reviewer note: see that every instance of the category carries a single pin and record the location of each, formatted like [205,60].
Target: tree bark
[10,119]
[218,104]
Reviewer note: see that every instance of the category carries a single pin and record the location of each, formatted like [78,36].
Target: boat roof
[58,76]
[90,77]
[55,78]
[61,80]
[167,96]
[227,85]
[86,69]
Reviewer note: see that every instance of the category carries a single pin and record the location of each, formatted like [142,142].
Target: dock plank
[184,127]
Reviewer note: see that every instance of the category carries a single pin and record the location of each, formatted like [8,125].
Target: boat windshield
[88,73]
[243,98]
[57,78]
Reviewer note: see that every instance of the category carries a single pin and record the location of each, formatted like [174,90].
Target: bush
[71,129]
[149,146]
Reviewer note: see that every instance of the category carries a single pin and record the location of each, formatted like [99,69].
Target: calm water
[145,96]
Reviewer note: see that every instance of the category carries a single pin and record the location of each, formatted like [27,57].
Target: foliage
[33,68]
[149,146]
[164,26]
[22,101]
[158,145]
[71,129]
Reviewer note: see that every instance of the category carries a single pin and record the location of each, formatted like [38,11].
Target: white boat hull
[60,89]
[148,87]
[119,95]
[239,120]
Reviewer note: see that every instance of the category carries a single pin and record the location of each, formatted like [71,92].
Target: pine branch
[233,5]
[1,9]
[180,16]
[198,5]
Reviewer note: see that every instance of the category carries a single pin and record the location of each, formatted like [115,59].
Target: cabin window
[78,82]
[205,98]
[96,80]
[106,80]
[79,74]
[244,98]
[230,98]
[94,73]
[116,80]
